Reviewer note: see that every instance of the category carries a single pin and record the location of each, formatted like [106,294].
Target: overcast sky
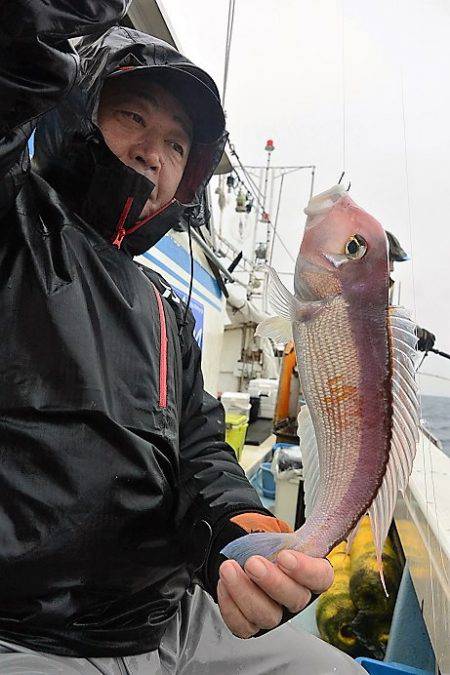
[299,69]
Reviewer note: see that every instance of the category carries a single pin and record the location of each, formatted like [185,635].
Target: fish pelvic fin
[266,544]
[286,305]
[352,535]
[310,458]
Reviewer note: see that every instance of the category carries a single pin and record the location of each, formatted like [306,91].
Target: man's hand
[254,599]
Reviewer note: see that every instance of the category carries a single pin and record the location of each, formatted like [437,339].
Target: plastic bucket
[267,480]
[236,402]
[375,667]
[279,445]
[236,425]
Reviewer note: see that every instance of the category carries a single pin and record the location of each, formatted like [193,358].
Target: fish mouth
[321,204]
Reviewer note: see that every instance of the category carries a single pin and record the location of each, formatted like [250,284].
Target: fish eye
[356,247]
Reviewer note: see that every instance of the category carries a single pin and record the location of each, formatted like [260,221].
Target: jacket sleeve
[38,66]
[213,486]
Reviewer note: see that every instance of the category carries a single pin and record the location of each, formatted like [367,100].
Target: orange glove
[257,522]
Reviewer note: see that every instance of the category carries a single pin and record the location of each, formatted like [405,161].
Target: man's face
[148,130]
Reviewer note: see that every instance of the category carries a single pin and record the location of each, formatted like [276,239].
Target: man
[426,339]
[118,490]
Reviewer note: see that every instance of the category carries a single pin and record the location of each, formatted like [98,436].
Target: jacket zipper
[121,232]
[162,351]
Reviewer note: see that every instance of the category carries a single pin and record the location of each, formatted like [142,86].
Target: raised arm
[38,66]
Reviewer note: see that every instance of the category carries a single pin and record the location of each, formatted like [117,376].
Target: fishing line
[229,35]
[424,443]
[438,377]
[421,361]
[408,194]
[343,86]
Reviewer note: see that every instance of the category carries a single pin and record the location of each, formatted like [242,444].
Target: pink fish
[356,358]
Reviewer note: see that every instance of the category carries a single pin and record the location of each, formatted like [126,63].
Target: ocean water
[436,417]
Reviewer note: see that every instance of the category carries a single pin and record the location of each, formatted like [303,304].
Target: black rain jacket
[116,484]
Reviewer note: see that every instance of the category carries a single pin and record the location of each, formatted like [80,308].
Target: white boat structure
[422,515]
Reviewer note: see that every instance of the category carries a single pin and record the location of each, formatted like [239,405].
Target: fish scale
[329,335]
[356,357]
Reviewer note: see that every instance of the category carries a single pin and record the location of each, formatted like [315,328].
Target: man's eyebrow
[183,122]
[148,96]
[187,128]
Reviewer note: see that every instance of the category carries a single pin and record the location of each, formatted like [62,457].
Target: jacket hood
[71,155]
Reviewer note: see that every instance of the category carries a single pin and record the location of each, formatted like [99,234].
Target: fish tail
[266,544]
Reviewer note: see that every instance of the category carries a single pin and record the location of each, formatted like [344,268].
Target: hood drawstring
[191,280]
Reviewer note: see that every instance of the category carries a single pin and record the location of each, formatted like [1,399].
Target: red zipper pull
[120,234]
[121,231]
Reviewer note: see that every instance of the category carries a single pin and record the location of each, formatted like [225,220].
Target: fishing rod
[437,351]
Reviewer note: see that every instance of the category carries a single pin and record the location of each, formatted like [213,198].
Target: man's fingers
[257,607]
[279,586]
[314,573]
[254,598]
[232,615]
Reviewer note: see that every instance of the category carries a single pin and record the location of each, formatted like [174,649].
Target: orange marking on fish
[339,392]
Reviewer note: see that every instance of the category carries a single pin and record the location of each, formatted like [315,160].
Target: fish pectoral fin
[277,328]
[287,305]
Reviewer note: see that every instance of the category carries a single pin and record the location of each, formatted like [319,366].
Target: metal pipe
[212,256]
[266,180]
[275,226]
[235,250]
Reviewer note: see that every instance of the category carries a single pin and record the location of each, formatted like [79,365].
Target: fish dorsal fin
[310,458]
[405,425]
[286,305]
[277,328]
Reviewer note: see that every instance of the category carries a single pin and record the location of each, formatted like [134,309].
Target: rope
[276,219]
[244,170]
[230,23]
[275,234]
